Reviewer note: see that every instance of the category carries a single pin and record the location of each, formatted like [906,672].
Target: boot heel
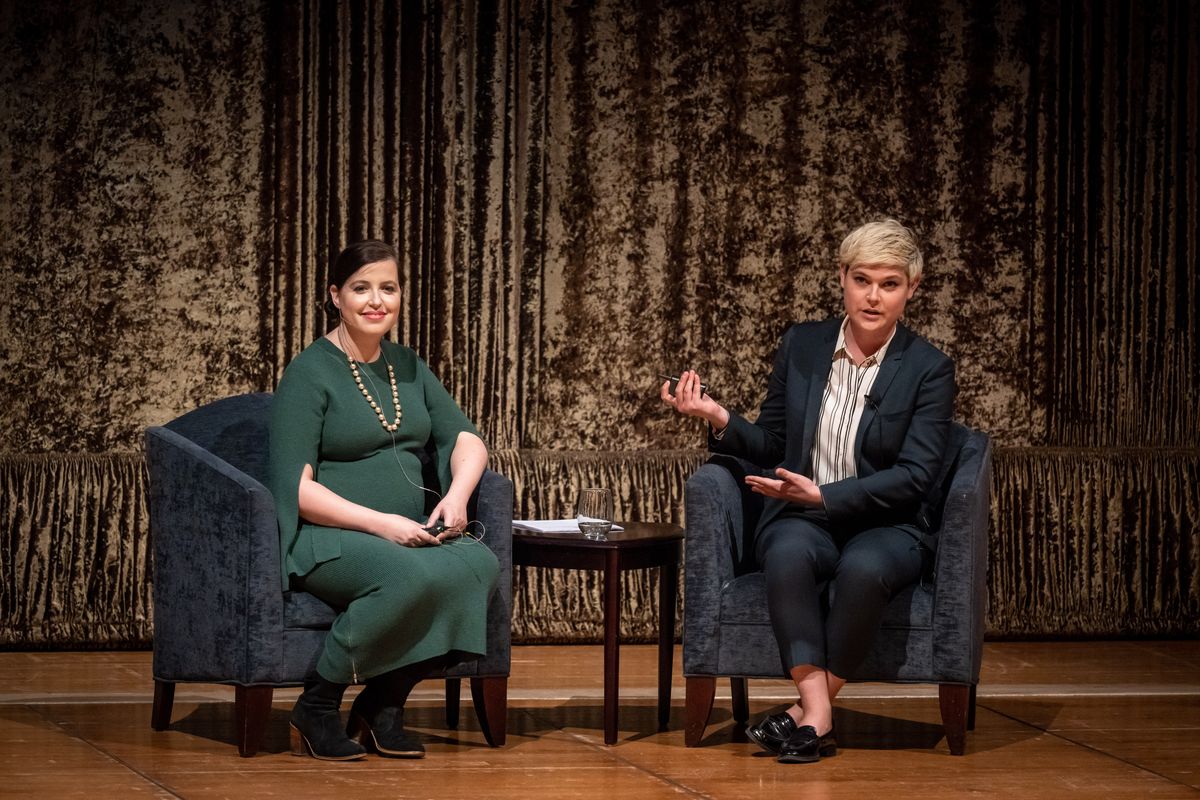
[316,726]
[299,745]
[358,731]
[397,743]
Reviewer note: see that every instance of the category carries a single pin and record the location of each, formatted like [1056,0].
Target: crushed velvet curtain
[585,194]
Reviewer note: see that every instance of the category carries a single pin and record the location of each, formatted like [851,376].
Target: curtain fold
[412,122]
[587,195]
[1117,165]
[1084,543]
[75,556]
[1095,542]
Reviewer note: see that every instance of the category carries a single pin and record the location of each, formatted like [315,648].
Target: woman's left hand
[791,486]
[453,514]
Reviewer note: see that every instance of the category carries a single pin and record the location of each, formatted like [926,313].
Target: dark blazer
[901,438]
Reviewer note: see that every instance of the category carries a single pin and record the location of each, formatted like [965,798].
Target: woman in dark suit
[854,424]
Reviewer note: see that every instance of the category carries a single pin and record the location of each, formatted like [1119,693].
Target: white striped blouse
[842,405]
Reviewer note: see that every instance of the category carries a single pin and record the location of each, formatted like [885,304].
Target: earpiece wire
[466,534]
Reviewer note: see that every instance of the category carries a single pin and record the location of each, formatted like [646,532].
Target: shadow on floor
[217,722]
[856,728]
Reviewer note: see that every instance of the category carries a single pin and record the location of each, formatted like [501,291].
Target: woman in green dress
[350,414]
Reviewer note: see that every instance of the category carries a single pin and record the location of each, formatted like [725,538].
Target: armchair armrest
[960,571]
[216,566]
[492,505]
[715,532]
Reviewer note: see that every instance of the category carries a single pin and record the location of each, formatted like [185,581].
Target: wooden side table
[639,546]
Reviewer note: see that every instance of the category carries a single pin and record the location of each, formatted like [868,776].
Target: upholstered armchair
[219,613]
[932,632]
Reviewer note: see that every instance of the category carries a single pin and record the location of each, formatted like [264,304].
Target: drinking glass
[595,512]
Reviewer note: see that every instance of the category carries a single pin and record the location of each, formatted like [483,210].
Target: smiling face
[369,300]
[874,296]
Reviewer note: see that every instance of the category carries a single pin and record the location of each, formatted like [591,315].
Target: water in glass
[595,512]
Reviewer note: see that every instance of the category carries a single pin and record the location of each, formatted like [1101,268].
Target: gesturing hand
[691,401]
[790,486]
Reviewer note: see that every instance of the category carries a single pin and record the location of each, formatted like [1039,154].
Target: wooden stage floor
[1055,720]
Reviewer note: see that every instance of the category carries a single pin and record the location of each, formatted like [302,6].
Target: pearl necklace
[390,428]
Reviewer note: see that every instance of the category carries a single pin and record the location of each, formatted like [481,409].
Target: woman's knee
[799,543]
[874,571]
[794,566]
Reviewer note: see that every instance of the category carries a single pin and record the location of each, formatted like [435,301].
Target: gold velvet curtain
[396,121]
[1084,542]
[1094,542]
[1116,255]
[585,194]
[76,557]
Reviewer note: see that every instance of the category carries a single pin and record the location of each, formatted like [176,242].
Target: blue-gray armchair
[931,633]
[219,613]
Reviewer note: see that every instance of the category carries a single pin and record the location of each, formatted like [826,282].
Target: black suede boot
[317,726]
[377,715]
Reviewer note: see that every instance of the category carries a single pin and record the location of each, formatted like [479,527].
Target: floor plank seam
[610,750]
[1092,748]
[689,791]
[111,756]
[674,784]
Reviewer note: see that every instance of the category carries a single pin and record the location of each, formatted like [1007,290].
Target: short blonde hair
[883,241]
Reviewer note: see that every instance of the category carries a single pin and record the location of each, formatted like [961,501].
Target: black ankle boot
[377,716]
[317,726]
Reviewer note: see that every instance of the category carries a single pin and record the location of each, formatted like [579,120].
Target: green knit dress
[397,605]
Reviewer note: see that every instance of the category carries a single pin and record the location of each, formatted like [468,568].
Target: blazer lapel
[818,376]
[887,371]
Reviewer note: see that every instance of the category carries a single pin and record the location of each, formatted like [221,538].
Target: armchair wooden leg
[490,696]
[699,692]
[954,698]
[252,708]
[164,699]
[971,708]
[741,701]
[453,693]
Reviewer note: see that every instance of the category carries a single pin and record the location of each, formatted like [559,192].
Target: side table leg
[668,579]
[612,635]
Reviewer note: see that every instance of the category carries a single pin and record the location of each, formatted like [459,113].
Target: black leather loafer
[771,732]
[805,747]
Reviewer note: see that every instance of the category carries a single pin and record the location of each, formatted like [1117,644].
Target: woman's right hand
[322,506]
[691,401]
[404,531]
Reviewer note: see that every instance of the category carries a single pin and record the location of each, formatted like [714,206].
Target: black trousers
[864,568]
